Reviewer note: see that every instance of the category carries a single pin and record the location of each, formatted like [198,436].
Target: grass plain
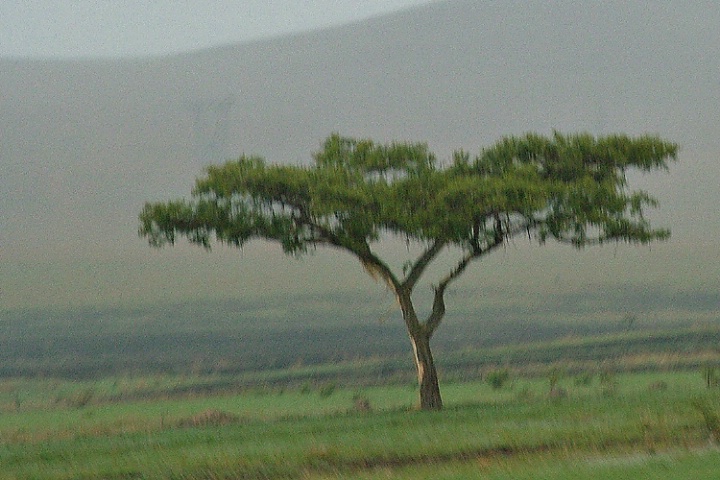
[232,393]
[590,424]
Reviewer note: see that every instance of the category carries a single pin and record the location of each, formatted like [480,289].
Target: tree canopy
[570,188]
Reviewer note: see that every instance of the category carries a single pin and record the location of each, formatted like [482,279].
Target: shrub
[557,393]
[608,383]
[554,377]
[327,390]
[82,399]
[711,377]
[361,403]
[207,418]
[584,379]
[658,386]
[498,378]
[710,416]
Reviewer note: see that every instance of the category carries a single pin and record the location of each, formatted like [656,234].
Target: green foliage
[584,379]
[497,378]
[565,186]
[327,389]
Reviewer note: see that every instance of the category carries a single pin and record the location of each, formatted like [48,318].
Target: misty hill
[84,143]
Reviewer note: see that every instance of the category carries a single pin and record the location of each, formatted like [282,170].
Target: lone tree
[570,188]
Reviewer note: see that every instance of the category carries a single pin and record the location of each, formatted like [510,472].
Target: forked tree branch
[438,307]
[421,264]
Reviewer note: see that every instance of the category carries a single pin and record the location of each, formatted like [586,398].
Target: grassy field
[618,402]
[600,426]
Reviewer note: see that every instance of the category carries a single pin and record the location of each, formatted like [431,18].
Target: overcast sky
[116,28]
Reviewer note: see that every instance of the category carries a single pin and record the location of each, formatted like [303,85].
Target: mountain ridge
[85,143]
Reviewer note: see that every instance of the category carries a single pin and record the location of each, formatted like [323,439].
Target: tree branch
[377,268]
[421,264]
[372,264]
[438,307]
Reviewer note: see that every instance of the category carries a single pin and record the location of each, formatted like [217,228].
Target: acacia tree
[569,188]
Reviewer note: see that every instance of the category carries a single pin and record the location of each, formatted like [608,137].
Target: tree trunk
[430,398]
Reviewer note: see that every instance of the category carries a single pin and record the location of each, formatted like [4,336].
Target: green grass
[679,465]
[507,433]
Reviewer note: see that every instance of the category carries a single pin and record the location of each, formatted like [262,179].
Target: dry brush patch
[209,418]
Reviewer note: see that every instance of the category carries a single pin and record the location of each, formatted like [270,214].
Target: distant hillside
[84,143]
[239,335]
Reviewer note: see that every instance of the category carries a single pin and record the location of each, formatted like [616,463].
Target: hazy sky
[112,28]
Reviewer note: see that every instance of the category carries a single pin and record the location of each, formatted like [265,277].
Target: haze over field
[84,143]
